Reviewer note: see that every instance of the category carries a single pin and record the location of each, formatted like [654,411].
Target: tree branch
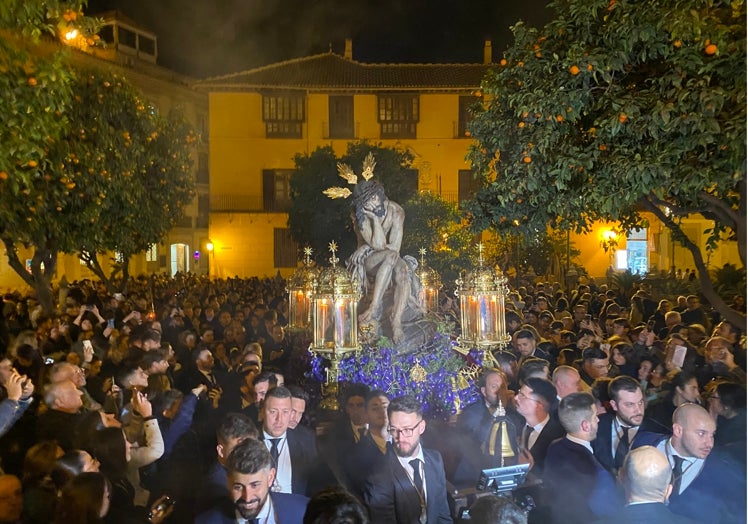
[707,287]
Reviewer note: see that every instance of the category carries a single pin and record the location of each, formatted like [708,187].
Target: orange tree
[115,180]
[618,107]
[36,87]
[120,176]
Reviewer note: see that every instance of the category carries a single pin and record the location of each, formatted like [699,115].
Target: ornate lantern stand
[335,297]
[299,288]
[431,283]
[482,294]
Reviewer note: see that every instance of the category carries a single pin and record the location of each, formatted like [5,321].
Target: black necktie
[677,473]
[526,436]
[274,450]
[417,480]
[623,447]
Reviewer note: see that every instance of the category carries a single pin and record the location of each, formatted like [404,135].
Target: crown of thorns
[345,172]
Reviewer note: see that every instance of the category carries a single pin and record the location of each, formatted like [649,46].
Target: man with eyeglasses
[534,401]
[617,431]
[410,487]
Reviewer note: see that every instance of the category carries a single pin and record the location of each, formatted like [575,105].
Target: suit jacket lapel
[402,480]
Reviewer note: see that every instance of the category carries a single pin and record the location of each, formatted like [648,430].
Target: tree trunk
[39,278]
[707,287]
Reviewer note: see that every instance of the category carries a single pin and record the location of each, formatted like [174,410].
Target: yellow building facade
[261,118]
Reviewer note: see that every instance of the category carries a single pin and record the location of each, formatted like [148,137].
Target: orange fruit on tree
[574,70]
[32,81]
[622,118]
[710,49]
[589,67]
[559,118]
[32,163]
[521,125]
[677,43]
[527,159]
[602,147]
[3,175]
[503,62]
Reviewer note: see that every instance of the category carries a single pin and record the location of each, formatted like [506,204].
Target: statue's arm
[396,231]
[372,231]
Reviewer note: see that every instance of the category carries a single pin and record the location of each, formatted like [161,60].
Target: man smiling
[250,475]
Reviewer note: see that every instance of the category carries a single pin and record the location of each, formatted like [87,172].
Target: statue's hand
[358,256]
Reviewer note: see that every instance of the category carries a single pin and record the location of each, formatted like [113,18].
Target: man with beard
[410,486]
[250,475]
[476,419]
[617,431]
[708,486]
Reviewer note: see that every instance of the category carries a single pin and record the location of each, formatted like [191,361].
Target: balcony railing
[236,203]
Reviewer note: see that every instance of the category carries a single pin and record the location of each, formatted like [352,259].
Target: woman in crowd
[39,492]
[84,500]
[72,464]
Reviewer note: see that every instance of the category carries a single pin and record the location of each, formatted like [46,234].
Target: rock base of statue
[417,329]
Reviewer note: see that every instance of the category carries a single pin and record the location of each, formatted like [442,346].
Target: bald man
[707,485]
[566,379]
[11,499]
[645,478]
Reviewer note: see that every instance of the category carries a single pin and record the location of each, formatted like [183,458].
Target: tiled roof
[329,71]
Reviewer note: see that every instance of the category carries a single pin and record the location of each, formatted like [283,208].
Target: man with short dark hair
[595,365]
[534,401]
[579,488]
[251,473]
[233,429]
[410,486]
[617,430]
[294,454]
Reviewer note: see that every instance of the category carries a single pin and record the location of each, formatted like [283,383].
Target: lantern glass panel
[431,299]
[334,325]
[299,308]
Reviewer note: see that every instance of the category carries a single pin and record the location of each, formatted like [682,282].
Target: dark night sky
[211,37]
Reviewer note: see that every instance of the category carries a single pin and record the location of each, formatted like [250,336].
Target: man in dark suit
[645,477]
[369,453]
[409,487]
[250,476]
[579,488]
[527,346]
[707,485]
[294,453]
[475,420]
[534,401]
[618,430]
[233,429]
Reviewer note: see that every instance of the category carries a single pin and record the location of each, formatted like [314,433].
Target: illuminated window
[283,115]
[151,254]
[637,251]
[398,115]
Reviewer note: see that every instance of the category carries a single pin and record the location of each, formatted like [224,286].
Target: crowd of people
[176,402]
